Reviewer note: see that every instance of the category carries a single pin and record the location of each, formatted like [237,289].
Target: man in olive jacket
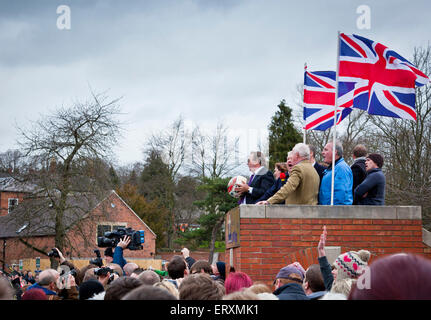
[302,187]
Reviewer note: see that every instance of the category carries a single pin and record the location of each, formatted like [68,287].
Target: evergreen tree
[282,134]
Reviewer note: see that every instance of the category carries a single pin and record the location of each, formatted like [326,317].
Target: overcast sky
[207,60]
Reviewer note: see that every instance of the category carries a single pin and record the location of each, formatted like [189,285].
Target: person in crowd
[302,187]
[145,292]
[118,252]
[319,168]
[169,286]
[55,288]
[129,267]
[30,278]
[200,286]
[280,175]
[108,255]
[313,284]
[6,291]
[83,275]
[371,191]
[118,288]
[186,255]
[243,294]
[149,277]
[358,167]
[201,266]
[89,274]
[219,271]
[34,294]
[137,272]
[16,279]
[89,288]
[236,281]
[262,290]
[402,276]
[118,271]
[288,283]
[260,181]
[177,270]
[346,267]
[343,177]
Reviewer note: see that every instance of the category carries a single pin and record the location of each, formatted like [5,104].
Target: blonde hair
[169,286]
[241,295]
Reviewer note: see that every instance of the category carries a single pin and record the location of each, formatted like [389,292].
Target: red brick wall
[4,203]
[16,250]
[268,244]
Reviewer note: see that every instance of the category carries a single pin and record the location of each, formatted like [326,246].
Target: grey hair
[302,149]
[47,276]
[257,156]
[338,148]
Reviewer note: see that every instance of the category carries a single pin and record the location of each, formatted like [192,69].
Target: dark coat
[359,173]
[260,184]
[291,291]
[273,190]
[320,169]
[374,184]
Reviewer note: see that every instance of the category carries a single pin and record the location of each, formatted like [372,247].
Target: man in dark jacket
[260,181]
[358,166]
[288,284]
[372,190]
[319,168]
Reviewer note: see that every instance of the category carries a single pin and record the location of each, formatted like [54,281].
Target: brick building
[262,239]
[28,231]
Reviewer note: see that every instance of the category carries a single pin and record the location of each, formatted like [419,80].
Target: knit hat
[34,294]
[89,288]
[377,159]
[351,264]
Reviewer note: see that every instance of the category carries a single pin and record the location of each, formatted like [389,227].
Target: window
[12,203]
[108,227]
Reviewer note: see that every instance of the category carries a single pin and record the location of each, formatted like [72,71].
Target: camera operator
[108,255]
[56,287]
[105,275]
[118,252]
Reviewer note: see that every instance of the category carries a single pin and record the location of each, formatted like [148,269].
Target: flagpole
[335,119]
[303,106]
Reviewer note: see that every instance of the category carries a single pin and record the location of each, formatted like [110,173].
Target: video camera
[103,271]
[97,261]
[111,239]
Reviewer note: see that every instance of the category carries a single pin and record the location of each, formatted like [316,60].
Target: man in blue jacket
[372,190]
[343,178]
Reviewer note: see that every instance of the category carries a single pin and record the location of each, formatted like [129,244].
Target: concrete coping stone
[331,212]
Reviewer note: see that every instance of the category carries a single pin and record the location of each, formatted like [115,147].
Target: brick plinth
[270,237]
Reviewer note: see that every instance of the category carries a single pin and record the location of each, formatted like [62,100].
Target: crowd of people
[302,180]
[350,276]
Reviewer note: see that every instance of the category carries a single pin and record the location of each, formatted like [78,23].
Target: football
[231,186]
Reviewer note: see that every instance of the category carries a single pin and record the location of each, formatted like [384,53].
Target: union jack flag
[384,81]
[319,100]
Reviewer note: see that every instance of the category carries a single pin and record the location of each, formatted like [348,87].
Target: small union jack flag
[384,81]
[319,100]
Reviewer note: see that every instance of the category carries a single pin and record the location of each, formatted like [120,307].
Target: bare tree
[406,146]
[64,152]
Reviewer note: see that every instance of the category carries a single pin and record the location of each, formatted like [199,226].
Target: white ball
[233,183]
